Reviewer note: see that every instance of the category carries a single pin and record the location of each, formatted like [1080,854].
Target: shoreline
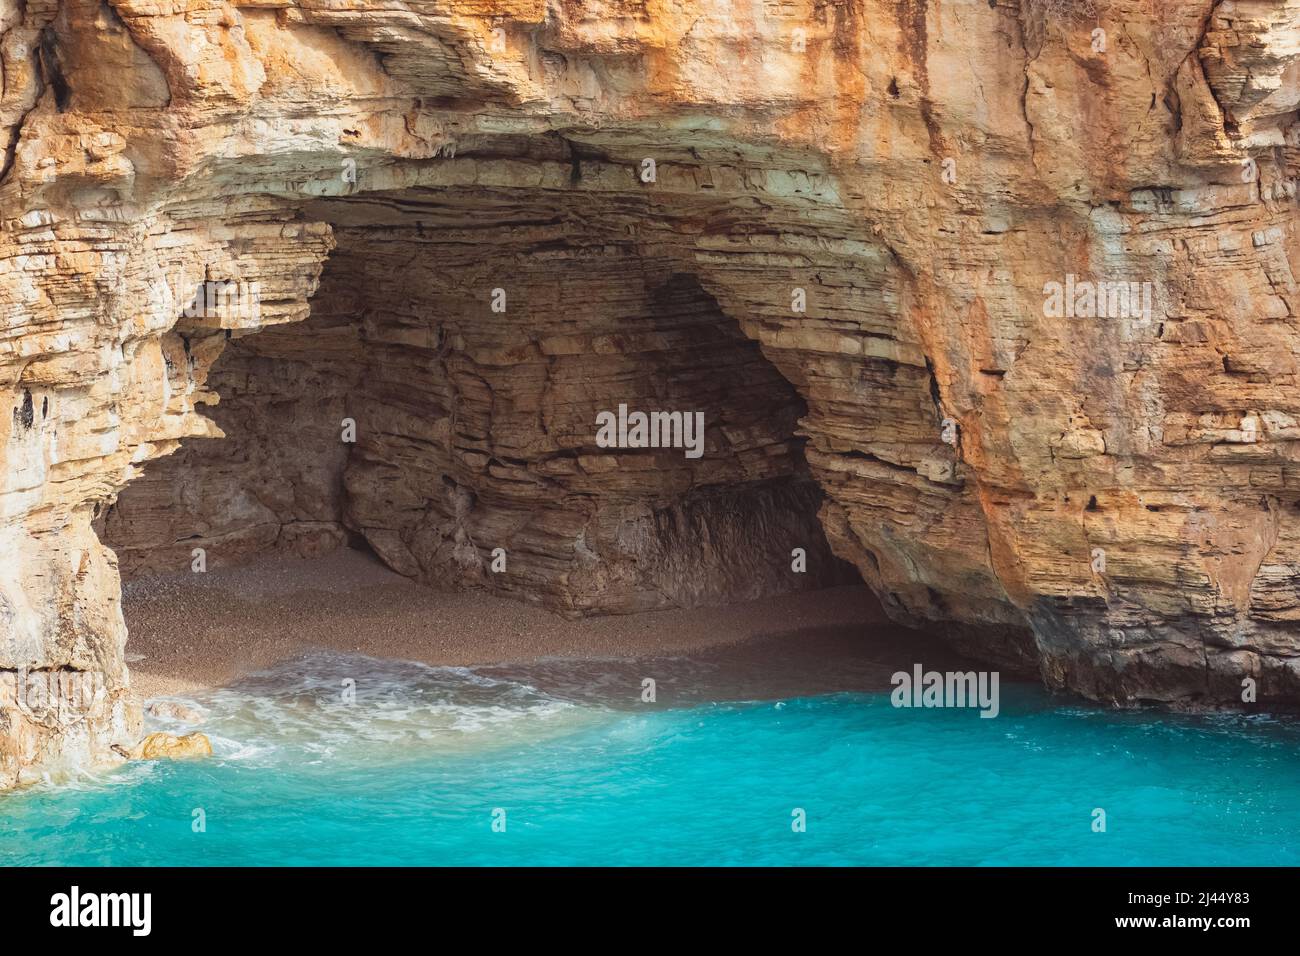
[191,632]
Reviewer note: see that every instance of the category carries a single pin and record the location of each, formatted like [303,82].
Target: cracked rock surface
[841,253]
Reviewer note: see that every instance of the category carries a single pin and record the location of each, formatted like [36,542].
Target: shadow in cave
[438,409]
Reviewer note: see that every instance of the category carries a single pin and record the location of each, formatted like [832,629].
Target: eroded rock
[163,746]
[916,175]
[175,710]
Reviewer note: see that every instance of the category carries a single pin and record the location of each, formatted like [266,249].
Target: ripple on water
[411,770]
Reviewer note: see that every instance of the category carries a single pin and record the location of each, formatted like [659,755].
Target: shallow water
[411,772]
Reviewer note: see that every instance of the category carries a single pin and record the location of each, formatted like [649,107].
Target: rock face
[1005,291]
[474,429]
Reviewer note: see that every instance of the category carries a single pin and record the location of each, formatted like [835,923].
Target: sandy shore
[191,631]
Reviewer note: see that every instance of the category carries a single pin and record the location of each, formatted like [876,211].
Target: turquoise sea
[581,771]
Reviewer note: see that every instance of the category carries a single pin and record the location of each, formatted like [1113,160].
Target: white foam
[400,709]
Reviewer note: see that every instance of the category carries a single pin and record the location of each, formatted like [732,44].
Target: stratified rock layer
[878,193]
[447,417]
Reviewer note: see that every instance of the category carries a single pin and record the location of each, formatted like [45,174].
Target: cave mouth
[440,406]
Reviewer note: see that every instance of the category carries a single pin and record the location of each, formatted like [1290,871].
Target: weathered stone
[161,746]
[920,173]
[175,710]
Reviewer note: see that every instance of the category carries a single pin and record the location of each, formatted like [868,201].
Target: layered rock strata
[440,405]
[1108,490]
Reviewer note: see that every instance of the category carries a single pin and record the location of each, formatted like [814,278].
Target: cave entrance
[439,407]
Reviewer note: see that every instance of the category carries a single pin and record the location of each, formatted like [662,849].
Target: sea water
[347,760]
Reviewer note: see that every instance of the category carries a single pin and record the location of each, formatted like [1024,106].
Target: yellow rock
[169,747]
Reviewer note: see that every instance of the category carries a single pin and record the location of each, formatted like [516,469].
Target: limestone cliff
[1003,288]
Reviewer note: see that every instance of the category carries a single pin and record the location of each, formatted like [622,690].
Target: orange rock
[161,746]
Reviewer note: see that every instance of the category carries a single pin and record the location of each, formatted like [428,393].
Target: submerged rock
[174,710]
